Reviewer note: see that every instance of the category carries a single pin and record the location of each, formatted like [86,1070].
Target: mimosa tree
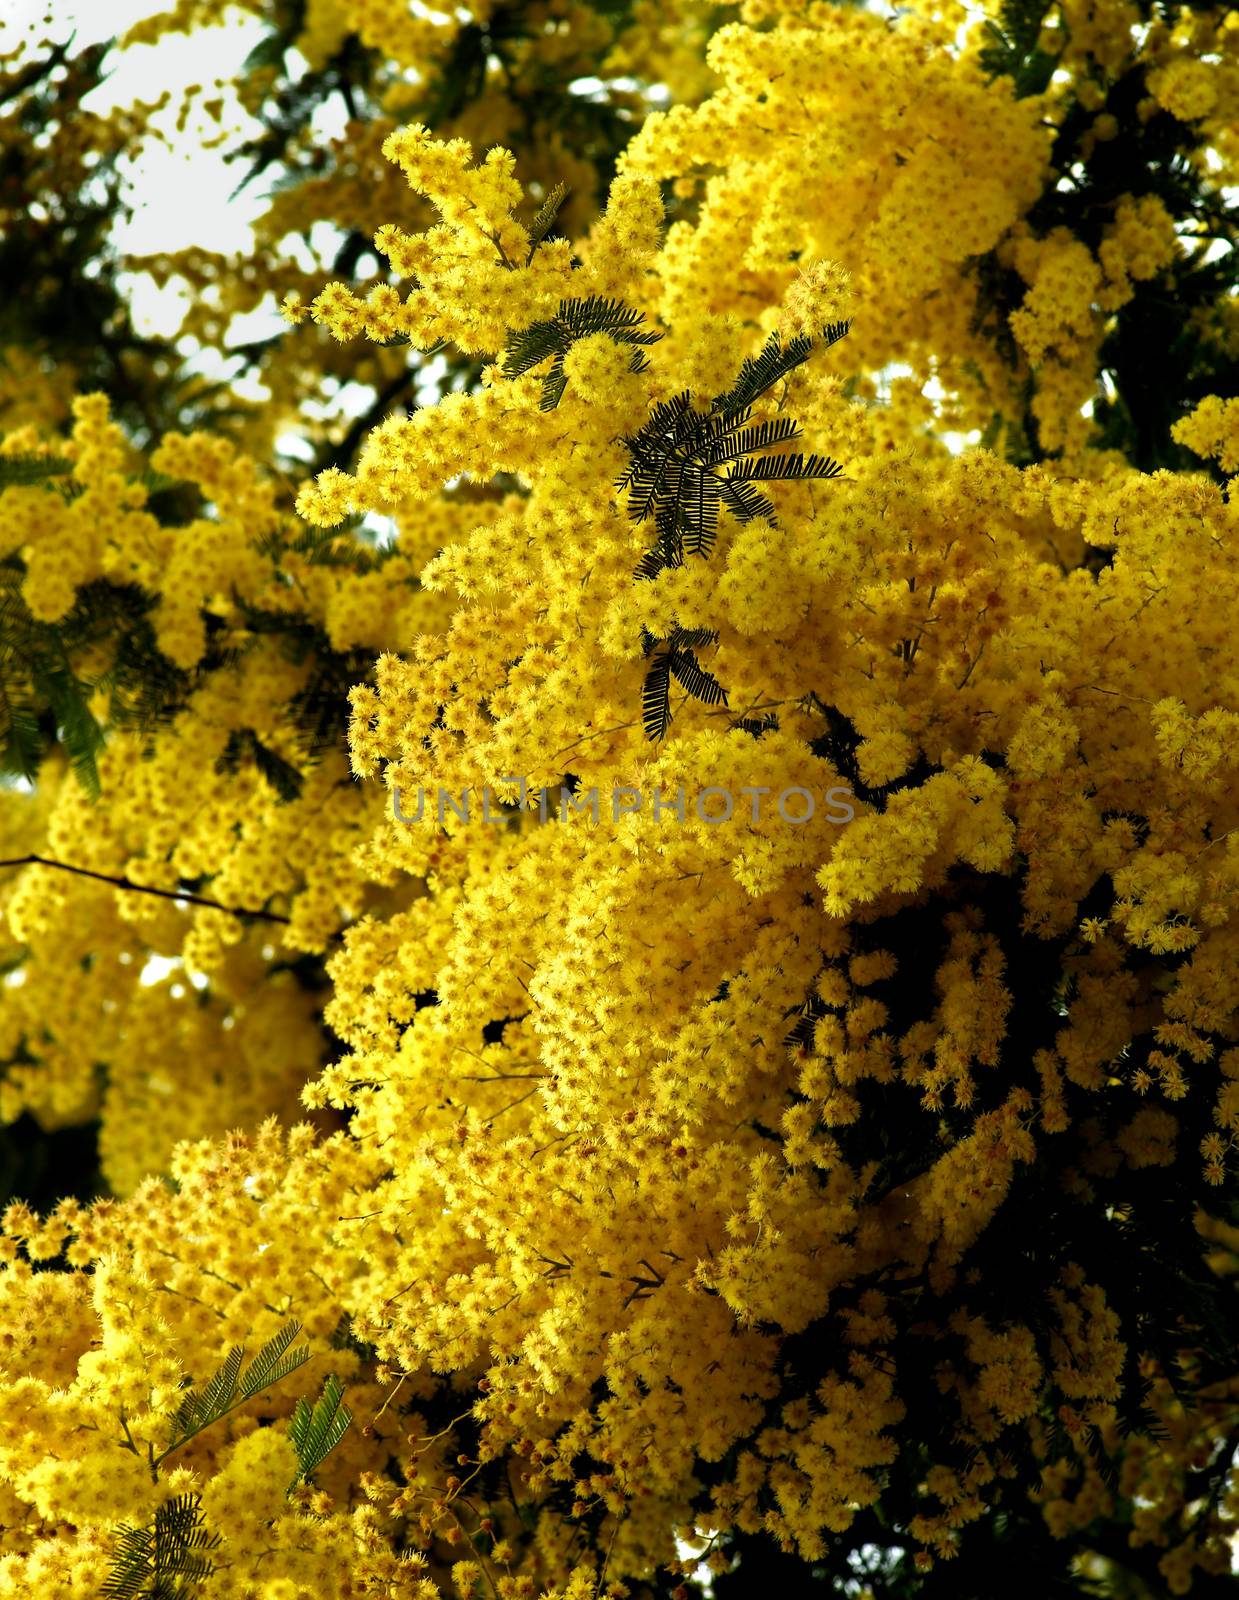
[680,776]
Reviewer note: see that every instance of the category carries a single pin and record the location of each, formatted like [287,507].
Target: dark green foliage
[31,469]
[41,697]
[702,685]
[316,1430]
[166,1560]
[672,475]
[1158,356]
[283,777]
[760,373]
[551,340]
[45,692]
[757,725]
[229,1387]
[673,478]
[838,744]
[160,1560]
[142,685]
[656,697]
[801,1034]
[320,708]
[676,657]
[543,224]
[1013,52]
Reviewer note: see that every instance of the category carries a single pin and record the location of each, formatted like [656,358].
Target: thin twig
[118,882]
[339,455]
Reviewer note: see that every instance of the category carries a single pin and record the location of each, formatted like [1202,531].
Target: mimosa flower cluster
[660,1188]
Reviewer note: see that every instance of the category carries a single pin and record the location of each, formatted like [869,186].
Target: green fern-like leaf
[672,473]
[274,1362]
[316,1430]
[832,333]
[156,482]
[656,697]
[43,696]
[21,735]
[672,477]
[756,725]
[553,386]
[692,638]
[229,1387]
[160,1560]
[131,1563]
[552,338]
[790,465]
[532,345]
[743,503]
[244,744]
[691,675]
[26,469]
[545,219]
[180,1539]
[79,730]
[735,442]
[761,372]
[597,314]
[662,555]
[676,658]
[203,1406]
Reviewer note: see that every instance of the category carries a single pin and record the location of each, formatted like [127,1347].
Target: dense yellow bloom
[658,1155]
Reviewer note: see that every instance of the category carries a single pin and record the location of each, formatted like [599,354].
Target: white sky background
[182,194]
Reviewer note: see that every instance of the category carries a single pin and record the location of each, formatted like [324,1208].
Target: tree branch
[339,455]
[142,888]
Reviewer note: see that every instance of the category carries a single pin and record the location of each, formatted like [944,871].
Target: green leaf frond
[789,466]
[229,1387]
[761,372]
[22,470]
[1012,51]
[45,697]
[282,775]
[756,725]
[675,657]
[656,697]
[551,339]
[545,218]
[316,1430]
[159,1561]
[672,475]
[691,675]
